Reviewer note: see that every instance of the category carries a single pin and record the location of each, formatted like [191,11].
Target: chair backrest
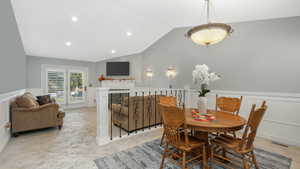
[255,118]
[167,100]
[173,119]
[229,104]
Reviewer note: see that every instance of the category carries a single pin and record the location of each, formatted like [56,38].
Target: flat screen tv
[117,68]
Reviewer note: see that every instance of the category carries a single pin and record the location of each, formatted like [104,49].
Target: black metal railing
[136,110]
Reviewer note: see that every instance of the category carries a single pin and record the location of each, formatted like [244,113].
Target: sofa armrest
[61,115]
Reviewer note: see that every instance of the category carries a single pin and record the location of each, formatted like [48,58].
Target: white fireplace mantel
[118,84]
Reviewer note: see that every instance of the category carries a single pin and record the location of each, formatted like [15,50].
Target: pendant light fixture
[210,33]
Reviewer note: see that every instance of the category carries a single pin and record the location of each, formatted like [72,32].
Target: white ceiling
[46,25]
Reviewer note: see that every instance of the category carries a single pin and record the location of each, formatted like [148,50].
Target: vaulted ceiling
[113,28]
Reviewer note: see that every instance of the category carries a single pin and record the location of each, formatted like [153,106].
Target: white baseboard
[284,141]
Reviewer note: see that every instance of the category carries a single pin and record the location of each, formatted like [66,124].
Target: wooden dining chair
[240,147]
[166,100]
[229,104]
[186,148]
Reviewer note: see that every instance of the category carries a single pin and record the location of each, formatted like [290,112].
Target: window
[56,85]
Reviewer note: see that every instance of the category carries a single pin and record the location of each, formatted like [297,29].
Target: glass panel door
[76,86]
[56,85]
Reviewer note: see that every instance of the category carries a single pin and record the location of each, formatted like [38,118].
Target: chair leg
[245,162]
[224,152]
[204,158]
[234,135]
[254,160]
[184,160]
[163,157]
[162,139]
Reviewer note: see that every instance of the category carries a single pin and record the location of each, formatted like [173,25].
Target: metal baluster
[143,94]
[180,98]
[111,116]
[183,99]
[149,107]
[155,103]
[176,97]
[121,102]
[135,103]
[128,130]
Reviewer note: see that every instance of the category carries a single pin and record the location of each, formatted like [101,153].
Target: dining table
[223,122]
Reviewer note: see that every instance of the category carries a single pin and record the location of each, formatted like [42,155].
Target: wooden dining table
[224,122]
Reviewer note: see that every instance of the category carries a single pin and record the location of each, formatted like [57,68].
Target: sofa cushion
[26,102]
[44,99]
[30,95]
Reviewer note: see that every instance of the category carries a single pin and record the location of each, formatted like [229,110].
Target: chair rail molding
[282,119]
[5,99]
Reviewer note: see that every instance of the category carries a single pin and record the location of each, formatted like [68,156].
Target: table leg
[204,137]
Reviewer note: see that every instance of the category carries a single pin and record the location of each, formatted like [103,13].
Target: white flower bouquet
[202,76]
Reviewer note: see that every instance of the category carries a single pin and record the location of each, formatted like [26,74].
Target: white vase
[202,104]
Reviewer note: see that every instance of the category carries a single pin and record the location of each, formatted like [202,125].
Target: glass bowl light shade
[209,34]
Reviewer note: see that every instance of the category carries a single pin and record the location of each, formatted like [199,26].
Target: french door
[77,89]
[66,85]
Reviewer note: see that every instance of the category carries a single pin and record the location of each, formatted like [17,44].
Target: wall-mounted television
[117,69]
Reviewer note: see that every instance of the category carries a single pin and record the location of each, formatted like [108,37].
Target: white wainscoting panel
[5,100]
[91,96]
[281,122]
[36,91]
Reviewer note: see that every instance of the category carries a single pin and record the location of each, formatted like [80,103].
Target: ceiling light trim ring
[195,29]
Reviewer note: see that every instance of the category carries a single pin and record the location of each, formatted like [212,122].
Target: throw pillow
[44,99]
[26,102]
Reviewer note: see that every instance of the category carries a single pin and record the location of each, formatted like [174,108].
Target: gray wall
[12,55]
[136,67]
[258,56]
[34,69]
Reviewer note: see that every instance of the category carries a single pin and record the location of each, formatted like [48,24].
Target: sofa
[27,114]
[136,113]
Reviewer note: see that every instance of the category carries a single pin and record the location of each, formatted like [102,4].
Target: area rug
[148,156]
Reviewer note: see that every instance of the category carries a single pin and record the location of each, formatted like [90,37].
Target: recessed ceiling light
[75,19]
[68,43]
[128,33]
[113,51]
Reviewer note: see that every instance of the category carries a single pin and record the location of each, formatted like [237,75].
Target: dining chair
[185,148]
[229,104]
[240,147]
[166,100]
